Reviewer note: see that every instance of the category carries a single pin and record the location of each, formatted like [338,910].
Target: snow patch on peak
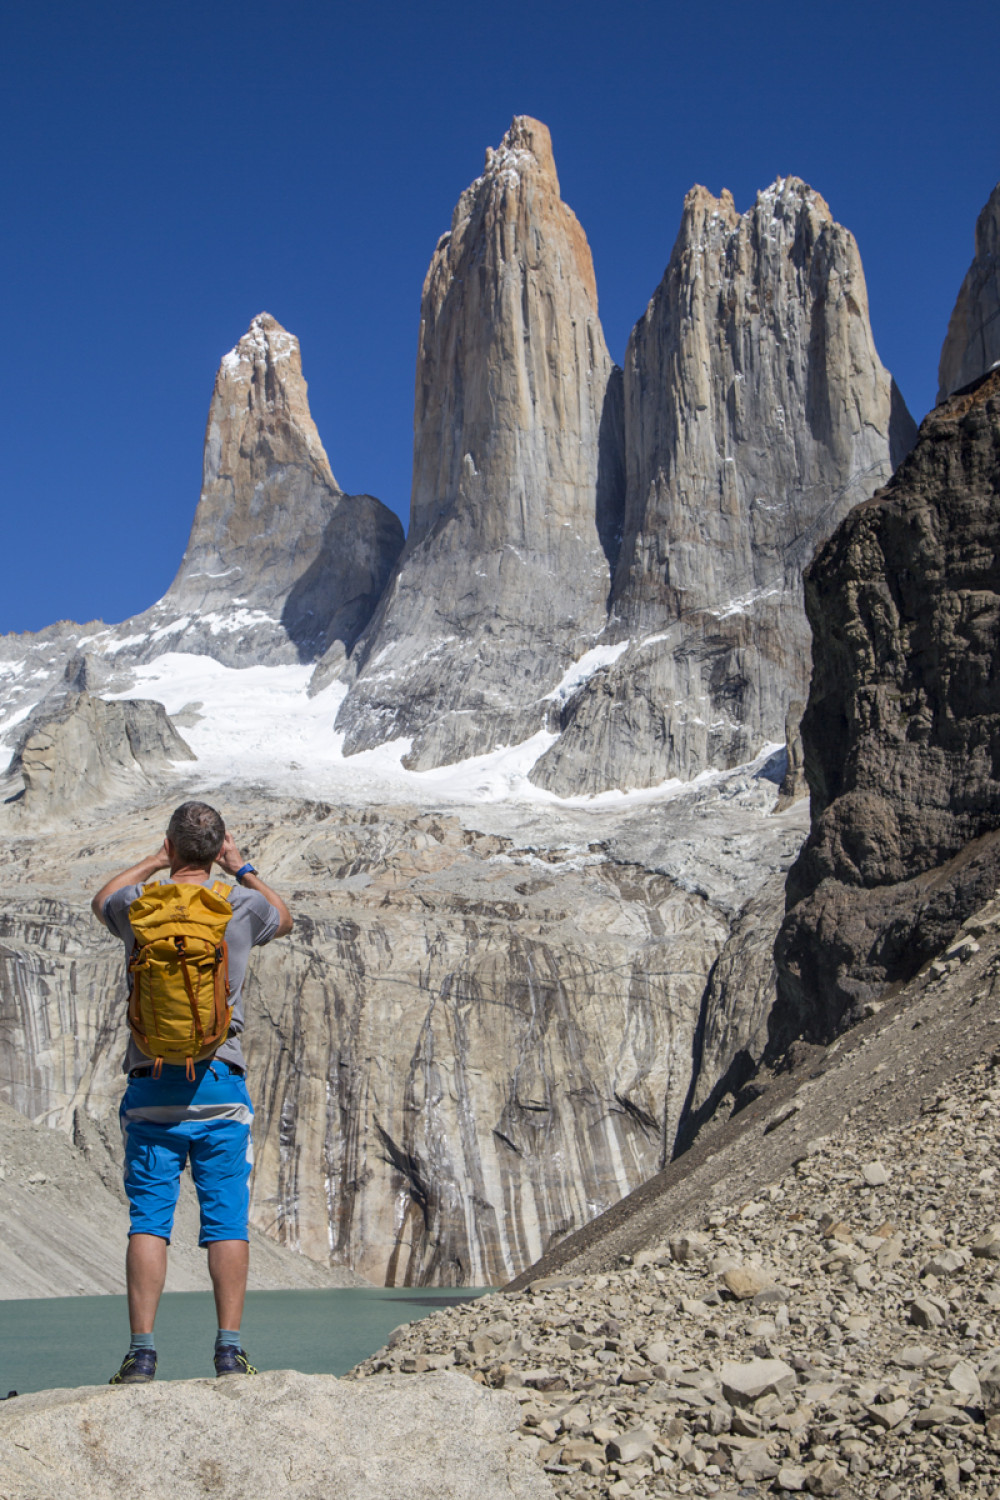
[793,192]
[526,147]
[510,158]
[264,339]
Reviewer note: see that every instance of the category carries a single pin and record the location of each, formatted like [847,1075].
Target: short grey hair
[197,832]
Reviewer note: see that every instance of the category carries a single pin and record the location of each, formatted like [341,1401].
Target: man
[169,1120]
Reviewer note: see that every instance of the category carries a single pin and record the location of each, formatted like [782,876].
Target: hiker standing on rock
[187,942]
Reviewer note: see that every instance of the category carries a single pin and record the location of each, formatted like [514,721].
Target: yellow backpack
[178,1004]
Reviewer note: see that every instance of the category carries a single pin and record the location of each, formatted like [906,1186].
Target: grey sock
[141,1341]
[228,1338]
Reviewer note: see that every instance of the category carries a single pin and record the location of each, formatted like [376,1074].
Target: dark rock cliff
[902,728]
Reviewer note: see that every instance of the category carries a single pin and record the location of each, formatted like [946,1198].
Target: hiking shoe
[137,1368]
[230,1360]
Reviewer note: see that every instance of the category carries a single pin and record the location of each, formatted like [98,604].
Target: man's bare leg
[145,1273]
[228,1265]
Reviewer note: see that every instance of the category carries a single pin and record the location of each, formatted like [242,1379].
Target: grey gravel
[660,1378]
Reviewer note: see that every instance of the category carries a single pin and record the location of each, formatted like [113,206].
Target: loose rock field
[838,1334]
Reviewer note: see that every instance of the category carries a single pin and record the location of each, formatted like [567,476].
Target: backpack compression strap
[199,1033]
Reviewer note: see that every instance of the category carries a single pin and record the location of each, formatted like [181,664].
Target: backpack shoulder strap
[220,888]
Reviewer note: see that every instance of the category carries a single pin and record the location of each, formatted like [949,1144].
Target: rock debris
[837,1334]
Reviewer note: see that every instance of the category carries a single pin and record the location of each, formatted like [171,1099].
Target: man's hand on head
[230,860]
[229,857]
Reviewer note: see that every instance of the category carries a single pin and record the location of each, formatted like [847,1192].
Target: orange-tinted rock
[516,476]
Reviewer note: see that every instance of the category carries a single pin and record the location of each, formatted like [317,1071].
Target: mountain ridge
[535,919]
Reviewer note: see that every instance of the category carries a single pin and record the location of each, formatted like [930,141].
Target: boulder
[91,749]
[280,1434]
[989,1383]
[743,1384]
[744,1283]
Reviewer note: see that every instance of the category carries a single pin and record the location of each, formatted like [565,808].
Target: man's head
[196,833]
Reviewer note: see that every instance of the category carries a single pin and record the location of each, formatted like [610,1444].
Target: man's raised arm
[231,861]
[134,875]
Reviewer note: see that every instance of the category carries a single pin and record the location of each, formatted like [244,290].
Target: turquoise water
[66,1341]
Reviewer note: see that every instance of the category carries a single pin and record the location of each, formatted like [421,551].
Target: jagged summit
[527,145]
[783,196]
[757,413]
[972,344]
[792,190]
[265,347]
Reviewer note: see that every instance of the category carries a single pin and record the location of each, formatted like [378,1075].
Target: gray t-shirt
[254,922]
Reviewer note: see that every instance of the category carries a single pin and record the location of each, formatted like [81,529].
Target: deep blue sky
[169,170]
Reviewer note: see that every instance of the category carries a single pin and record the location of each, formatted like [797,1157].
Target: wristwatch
[247,869]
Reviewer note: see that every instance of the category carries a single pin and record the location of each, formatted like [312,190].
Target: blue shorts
[169,1121]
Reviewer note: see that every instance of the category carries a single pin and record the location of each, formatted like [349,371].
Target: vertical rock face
[757,414]
[516,480]
[972,345]
[902,728]
[472,1044]
[280,564]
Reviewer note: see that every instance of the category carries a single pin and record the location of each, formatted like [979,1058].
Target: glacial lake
[69,1341]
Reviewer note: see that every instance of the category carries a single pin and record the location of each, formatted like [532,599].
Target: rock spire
[516,475]
[280,563]
[757,414]
[972,344]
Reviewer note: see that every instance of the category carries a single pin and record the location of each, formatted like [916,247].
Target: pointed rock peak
[264,337]
[259,386]
[756,414]
[972,345]
[519,189]
[280,564]
[510,297]
[526,147]
[517,476]
[265,343]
